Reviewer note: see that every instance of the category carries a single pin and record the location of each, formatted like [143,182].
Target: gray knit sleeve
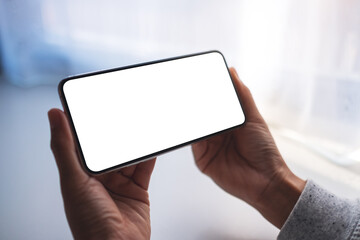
[319,214]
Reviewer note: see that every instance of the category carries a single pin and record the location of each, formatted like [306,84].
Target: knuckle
[57,144]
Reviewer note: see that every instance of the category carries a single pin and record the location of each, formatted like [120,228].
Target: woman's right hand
[246,163]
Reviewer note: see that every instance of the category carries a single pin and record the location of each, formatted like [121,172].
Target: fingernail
[236,74]
[53,119]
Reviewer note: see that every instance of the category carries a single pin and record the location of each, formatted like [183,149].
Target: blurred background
[300,58]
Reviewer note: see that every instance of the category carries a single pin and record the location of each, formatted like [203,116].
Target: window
[300,58]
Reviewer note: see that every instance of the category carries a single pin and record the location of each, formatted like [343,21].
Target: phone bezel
[149,156]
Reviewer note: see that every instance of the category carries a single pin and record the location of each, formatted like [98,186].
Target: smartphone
[122,116]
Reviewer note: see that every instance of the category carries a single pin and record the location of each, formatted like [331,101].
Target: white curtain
[300,58]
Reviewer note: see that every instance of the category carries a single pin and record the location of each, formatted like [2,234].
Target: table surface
[185,204]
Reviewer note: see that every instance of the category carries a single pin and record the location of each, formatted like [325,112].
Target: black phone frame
[149,156]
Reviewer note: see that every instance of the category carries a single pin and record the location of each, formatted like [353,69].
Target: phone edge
[146,157]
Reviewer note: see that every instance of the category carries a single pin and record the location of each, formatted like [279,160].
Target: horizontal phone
[125,115]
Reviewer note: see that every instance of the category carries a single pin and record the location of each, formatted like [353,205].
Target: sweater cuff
[319,214]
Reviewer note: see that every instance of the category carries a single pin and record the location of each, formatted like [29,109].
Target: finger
[247,101]
[128,171]
[199,148]
[143,172]
[63,148]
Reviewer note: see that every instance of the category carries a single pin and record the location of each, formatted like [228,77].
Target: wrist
[280,197]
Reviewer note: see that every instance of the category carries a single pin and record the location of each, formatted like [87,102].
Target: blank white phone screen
[129,114]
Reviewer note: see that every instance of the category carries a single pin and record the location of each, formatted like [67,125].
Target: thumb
[63,148]
[247,101]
